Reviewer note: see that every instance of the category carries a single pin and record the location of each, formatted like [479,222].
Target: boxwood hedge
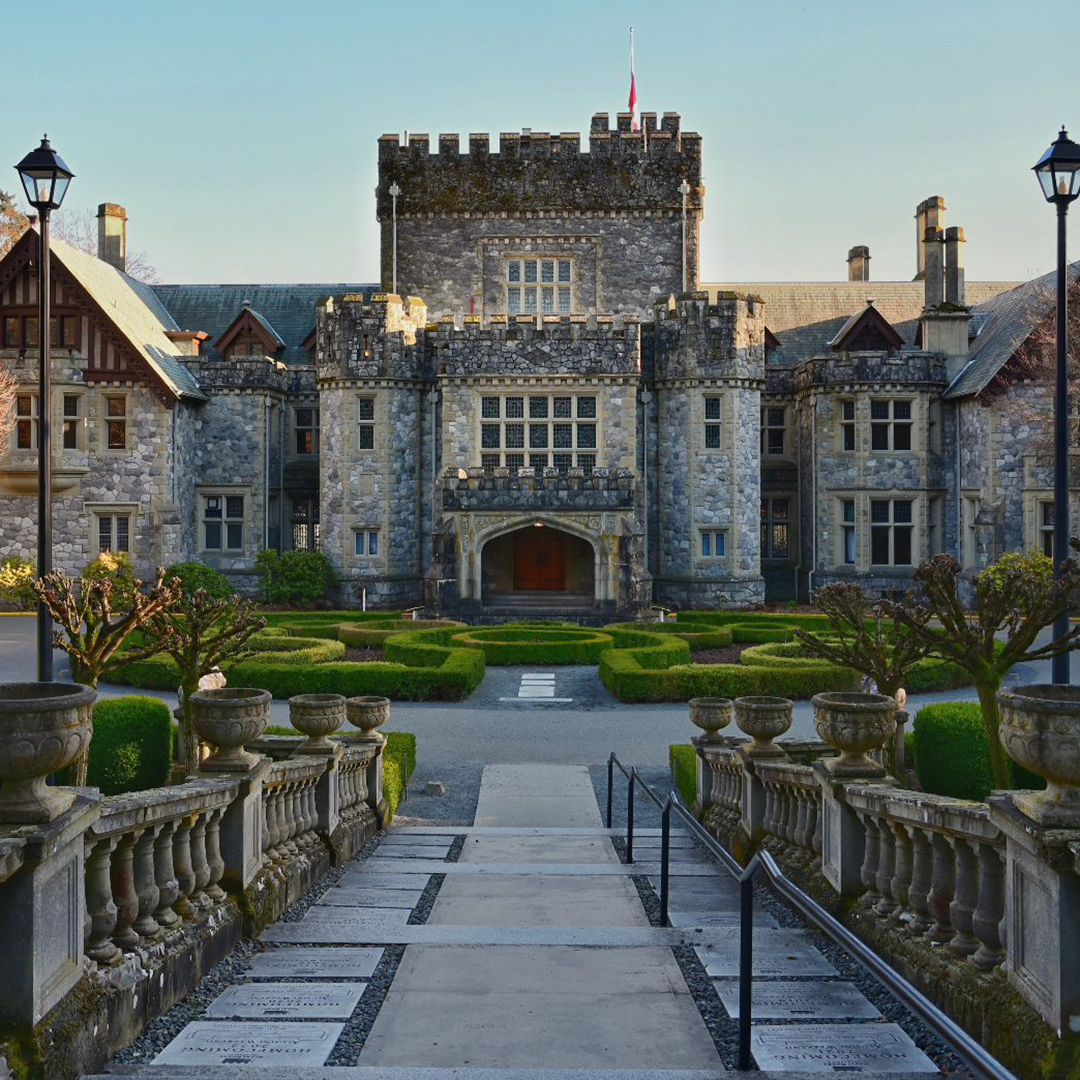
[131,749]
[696,636]
[539,643]
[373,633]
[683,763]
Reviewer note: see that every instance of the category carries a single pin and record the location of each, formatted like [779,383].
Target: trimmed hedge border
[717,637]
[682,759]
[372,635]
[526,643]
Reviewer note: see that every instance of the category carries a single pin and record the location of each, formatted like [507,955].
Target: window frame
[849,532]
[708,536]
[769,522]
[893,527]
[891,424]
[1044,527]
[313,430]
[526,434]
[72,423]
[712,427]
[363,535]
[848,432]
[768,429]
[31,420]
[528,295]
[225,520]
[108,419]
[362,423]
[96,512]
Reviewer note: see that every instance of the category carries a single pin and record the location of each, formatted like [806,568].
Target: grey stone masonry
[528,489]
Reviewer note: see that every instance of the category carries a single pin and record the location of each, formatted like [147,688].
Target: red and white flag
[634,123]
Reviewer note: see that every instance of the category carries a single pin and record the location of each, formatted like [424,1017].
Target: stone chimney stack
[954,266]
[930,213]
[934,262]
[858,263]
[112,235]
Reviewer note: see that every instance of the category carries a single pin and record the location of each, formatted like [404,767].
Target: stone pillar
[327,796]
[241,836]
[42,907]
[843,837]
[753,797]
[1042,913]
[376,799]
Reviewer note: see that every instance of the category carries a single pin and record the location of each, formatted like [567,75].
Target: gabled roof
[868,322]
[288,309]
[806,315]
[136,313]
[249,319]
[1002,325]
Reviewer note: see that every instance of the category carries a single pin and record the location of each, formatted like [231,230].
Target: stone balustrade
[289,810]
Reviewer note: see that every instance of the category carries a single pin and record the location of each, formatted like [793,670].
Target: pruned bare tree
[13,222]
[7,408]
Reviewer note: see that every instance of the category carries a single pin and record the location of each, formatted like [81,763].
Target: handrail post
[630,815]
[746,968]
[665,855]
[610,786]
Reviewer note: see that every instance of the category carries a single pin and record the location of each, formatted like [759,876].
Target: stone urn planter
[228,719]
[763,718]
[368,713]
[855,724]
[711,714]
[44,727]
[1040,729]
[317,716]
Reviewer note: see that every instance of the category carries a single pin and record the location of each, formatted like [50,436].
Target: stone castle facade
[540,406]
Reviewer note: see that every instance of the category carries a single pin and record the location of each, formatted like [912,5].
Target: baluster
[99,902]
[886,869]
[990,909]
[942,887]
[813,825]
[123,890]
[962,909]
[182,868]
[280,808]
[311,812]
[868,870]
[293,811]
[801,817]
[213,855]
[902,867]
[199,863]
[270,823]
[146,885]
[164,878]
[922,867]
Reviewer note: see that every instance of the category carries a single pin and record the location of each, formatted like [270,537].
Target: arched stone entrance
[538,564]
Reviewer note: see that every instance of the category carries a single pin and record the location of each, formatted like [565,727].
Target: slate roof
[287,310]
[135,312]
[1002,324]
[806,315]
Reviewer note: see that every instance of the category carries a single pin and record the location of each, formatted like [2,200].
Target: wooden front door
[539,560]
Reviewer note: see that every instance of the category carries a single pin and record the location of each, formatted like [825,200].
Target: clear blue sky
[241,135]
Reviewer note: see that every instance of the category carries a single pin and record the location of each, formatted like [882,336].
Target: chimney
[934,262]
[930,213]
[858,263]
[954,266]
[112,235]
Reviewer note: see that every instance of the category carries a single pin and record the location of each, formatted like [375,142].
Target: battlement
[381,335]
[693,338]
[540,171]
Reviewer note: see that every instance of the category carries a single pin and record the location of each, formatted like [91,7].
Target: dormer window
[249,334]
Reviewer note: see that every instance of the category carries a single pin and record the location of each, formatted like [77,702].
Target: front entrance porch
[540,567]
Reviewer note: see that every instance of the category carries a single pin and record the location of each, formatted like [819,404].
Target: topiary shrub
[372,634]
[131,749]
[17,584]
[697,637]
[527,643]
[295,577]
[683,761]
[196,575]
[115,567]
[951,753]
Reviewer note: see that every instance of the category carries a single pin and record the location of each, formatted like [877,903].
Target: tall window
[713,543]
[223,522]
[713,407]
[541,286]
[1046,528]
[306,426]
[890,424]
[305,523]
[890,532]
[775,529]
[116,422]
[847,425]
[540,430]
[26,422]
[773,423]
[847,531]
[366,542]
[972,505]
[365,423]
[72,420]
[113,532]
[933,526]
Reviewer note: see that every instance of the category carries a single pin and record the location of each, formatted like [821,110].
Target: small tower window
[541,286]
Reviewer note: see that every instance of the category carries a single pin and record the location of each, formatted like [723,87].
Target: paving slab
[554,1007]
[375,865]
[521,830]
[286,1001]
[417,851]
[384,879]
[776,952]
[869,1048]
[729,917]
[531,795]
[414,837]
[803,999]
[527,900]
[299,963]
[374,1072]
[347,896]
[538,849]
[274,1043]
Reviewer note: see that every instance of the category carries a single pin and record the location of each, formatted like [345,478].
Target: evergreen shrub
[305,578]
[17,577]
[131,749]
[193,576]
[683,760]
[539,643]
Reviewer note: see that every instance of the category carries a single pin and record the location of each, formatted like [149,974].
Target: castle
[539,406]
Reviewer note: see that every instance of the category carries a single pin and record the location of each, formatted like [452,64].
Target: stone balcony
[538,489]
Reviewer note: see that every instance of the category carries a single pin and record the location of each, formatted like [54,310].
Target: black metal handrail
[963,1045]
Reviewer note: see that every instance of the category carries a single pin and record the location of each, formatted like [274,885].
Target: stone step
[376,865]
[371,1072]
[521,830]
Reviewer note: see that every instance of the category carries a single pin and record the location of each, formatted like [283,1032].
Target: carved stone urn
[763,718]
[1040,729]
[44,727]
[855,724]
[317,716]
[711,714]
[228,719]
[367,713]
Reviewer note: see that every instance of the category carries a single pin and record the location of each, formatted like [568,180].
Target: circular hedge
[372,634]
[522,643]
[699,636]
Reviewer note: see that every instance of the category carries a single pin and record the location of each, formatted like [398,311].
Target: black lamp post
[45,179]
[1058,171]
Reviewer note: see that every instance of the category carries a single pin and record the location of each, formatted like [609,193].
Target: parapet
[693,338]
[540,171]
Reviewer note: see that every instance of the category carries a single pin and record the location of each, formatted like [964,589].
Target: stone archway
[538,564]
